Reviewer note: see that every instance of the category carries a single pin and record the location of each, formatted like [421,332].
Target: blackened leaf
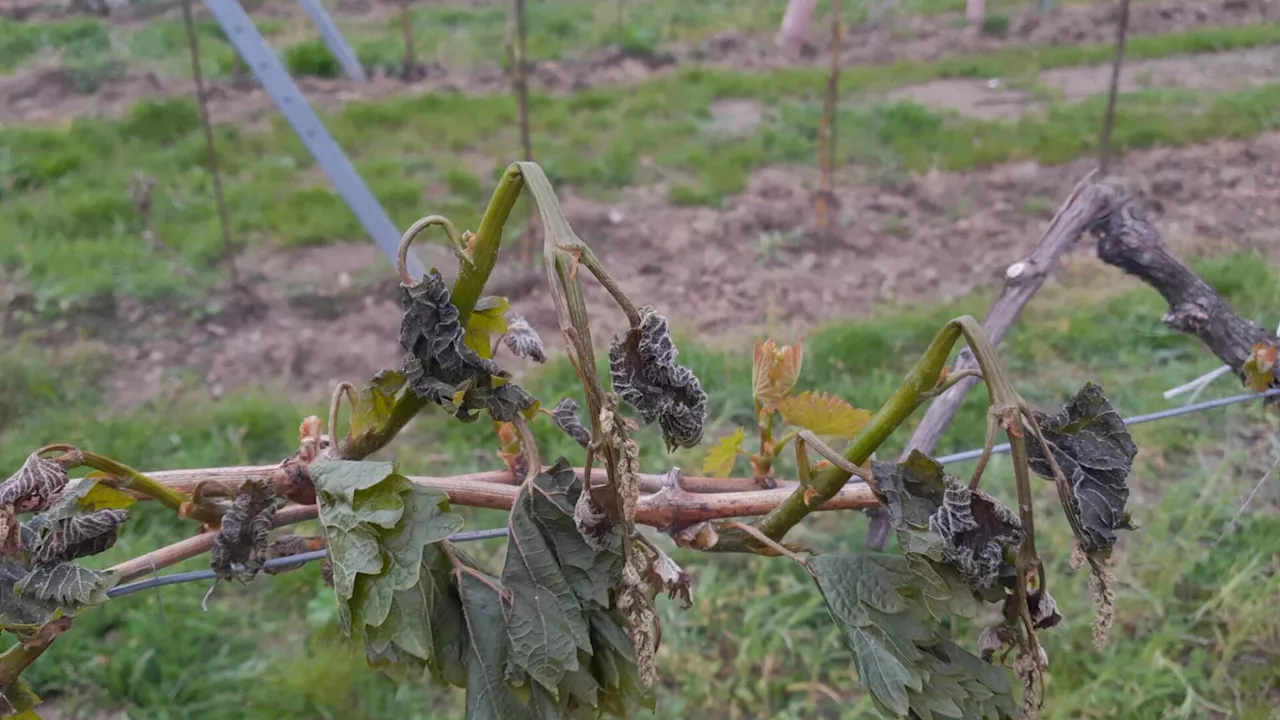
[67,584]
[975,529]
[523,341]
[35,483]
[78,536]
[441,369]
[375,400]
[643,368]
[243,534]
[664,575]
[1093,448]
[565,416]
[21,611]
[912,489]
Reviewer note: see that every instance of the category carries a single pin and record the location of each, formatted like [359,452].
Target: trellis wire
[198,575]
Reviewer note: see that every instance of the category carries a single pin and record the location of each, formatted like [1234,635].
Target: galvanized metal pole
[266,67]
[332,37]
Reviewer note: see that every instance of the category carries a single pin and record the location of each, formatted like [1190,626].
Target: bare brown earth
[1207,74]
[43,92]
[726,275]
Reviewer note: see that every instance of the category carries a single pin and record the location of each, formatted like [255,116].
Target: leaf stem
[126,478]
[910,395]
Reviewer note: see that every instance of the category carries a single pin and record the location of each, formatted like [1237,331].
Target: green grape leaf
[823,414]
[546,617]
[719,460]
[1093,448]
[774,371]
[86,496]
[375,400]
[909,667]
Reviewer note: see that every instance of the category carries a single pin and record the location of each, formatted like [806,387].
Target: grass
[1195,628]
[69,227]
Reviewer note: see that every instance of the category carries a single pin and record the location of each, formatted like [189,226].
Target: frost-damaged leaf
[914,491]
[719,460]
[909,667]
[30,489]
[823,414]
[975,529]
[375,400]
[67,584]
[565,416]
[664,575]
[78,536]
[643,368]
[21,611]
[1093,448]
[242,537]
[523,341]
[1260,370]
[288,545]
[441,369]
[774,371]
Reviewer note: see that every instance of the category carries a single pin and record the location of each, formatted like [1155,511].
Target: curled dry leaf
[664,575]
[1092,446]
[774,371]
[698,536]
[1261,369]
[1043,609]
[33,485]
[441,369]
[975,529]
[288,545]
[27,490]
[242,537]
[565,416]
[523,341]
[79,536]
[645,374]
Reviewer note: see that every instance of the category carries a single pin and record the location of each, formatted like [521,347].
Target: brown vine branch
[1127,240]
[660,510]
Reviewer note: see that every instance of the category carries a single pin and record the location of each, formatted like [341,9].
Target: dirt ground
[995,99]
[45,92]
[726,276]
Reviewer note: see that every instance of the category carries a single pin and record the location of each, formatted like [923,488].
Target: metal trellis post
[333,38]
[266,67]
